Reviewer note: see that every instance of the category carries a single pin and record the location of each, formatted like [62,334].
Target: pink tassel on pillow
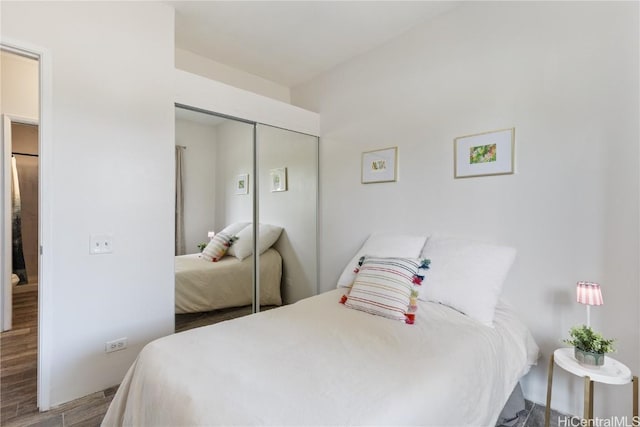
[410,318]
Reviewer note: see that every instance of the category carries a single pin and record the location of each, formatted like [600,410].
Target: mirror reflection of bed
[215,208]
[212,290]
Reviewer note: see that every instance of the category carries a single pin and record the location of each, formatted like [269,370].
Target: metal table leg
[547,411]
[588,399]
[635,420]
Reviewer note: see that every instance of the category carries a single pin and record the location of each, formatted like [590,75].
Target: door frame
[45,229]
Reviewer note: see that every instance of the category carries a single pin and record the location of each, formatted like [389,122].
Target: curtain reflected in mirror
[180,244]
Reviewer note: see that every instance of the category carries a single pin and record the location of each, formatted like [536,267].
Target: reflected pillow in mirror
[218,247]
[235,228]
[268,235]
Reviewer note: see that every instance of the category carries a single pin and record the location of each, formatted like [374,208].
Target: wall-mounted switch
[101,244]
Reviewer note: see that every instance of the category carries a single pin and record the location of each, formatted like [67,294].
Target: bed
[415,334]
[317,362]
[204,286]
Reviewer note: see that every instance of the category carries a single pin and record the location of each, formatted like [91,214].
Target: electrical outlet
[101,244]
[115,345]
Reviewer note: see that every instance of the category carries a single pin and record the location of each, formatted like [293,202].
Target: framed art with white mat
[380,166]
[488,153]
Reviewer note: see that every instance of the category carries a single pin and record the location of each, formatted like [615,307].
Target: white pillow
[466,275]
[383,245]
[235,228]
[267,236]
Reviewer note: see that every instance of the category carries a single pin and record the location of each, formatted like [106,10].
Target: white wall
[565,75]
[205,67]
[20,85]
[210,95]
[235,157]
[199,180]
[111,140]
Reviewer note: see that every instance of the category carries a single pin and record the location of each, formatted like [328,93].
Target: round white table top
[612,372]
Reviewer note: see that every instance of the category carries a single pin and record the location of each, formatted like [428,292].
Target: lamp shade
[589,293]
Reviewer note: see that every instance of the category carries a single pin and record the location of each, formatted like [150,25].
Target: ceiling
[291,42]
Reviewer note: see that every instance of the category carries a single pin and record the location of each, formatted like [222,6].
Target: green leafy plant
[482,154]
[585,339]
[201,246]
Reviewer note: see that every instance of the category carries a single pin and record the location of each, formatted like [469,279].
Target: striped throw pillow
[385,286]
[218,247]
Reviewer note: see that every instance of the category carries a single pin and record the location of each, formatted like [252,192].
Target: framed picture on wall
[482,154]
[242,184]
[278,179]
[380,166]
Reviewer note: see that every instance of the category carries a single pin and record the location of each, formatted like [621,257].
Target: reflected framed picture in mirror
[242,184]
[278,179]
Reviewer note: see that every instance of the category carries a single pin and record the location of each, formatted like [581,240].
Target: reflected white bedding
[204,286]
[317,362]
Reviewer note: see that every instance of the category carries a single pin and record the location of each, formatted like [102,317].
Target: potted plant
[589,346]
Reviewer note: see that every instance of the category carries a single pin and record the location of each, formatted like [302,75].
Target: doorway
[21,177]
[24,206]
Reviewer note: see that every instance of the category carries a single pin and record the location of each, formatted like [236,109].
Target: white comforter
[319,363]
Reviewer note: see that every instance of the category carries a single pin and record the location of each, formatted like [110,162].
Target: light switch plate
[101,244]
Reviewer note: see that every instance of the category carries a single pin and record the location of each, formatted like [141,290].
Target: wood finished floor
[19,358]
[18,377]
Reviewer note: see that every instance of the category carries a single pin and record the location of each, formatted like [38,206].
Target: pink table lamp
[589,293]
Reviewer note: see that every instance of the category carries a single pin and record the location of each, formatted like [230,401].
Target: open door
[5,268]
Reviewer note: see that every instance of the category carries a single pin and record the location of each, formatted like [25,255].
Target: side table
[612,372]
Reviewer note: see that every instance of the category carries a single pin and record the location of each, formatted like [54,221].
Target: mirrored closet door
[236,179]
[288,198]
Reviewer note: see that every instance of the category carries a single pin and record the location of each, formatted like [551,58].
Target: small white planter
[589,358]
